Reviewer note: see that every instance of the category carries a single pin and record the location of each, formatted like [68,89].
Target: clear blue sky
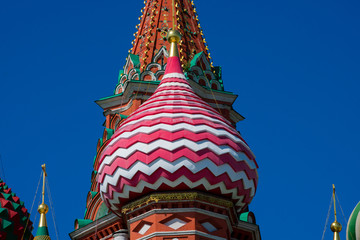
[294,64]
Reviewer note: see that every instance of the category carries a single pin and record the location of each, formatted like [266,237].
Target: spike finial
[43,210]
[335,226]
[174,38]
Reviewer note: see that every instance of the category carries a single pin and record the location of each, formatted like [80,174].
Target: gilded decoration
[166,197]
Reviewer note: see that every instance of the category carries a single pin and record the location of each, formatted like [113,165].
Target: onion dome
[14,217]
[176,142]
[353,227]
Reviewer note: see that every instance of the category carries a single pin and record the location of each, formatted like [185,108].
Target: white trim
[178,115]
[176,84]
[90,228]
[163,51]
[160,103]
[120,110]
[174,75]
[172,233]
[150,88]
[180,210]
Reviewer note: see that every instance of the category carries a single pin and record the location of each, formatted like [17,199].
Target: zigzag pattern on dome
[175,141]
[14,217]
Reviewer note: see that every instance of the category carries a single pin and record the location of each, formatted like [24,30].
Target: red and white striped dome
[175,142]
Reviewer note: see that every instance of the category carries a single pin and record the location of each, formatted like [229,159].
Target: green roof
[83,222]
[41,231]
[351,228]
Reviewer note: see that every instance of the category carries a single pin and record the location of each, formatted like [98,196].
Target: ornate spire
[335,226]
[158,18]
[42,232]
[148,56]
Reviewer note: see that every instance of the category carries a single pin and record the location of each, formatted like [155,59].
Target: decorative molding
[177,233]
[162,53]
[157,197]
[199,69]
[227,98]
[99,224]
[182,210]
[250,227]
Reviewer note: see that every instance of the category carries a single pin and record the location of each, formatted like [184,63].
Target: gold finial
[334,201]
[335,226]
[173,13]
[174,38]
[43,188]
[44,168]
[43,208]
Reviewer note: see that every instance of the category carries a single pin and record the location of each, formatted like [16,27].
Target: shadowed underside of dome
[175,141]
[14,218]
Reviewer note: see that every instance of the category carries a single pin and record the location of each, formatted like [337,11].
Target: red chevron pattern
[175,141]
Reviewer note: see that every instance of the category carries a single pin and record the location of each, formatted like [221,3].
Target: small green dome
[353,227]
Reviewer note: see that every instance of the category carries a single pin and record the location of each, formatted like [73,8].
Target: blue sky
[294,64]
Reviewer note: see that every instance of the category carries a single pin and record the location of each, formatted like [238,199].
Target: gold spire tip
[174,38]
[43,209]
[334,199]
[44,168]
[335,226]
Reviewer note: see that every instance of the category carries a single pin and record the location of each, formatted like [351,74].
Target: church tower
[170,164]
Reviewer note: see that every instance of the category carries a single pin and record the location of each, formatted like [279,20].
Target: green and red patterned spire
[14,218]
[158,17]
[148,56]
[42,232]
